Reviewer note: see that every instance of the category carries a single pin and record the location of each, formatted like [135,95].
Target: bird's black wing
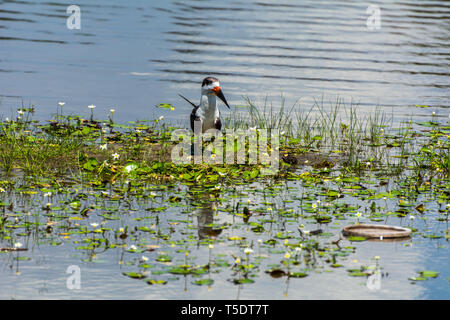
[193,116]
[218,124]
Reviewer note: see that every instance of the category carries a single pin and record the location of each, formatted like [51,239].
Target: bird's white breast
[208,111]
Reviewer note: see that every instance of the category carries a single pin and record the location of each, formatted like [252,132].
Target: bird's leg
[196,148]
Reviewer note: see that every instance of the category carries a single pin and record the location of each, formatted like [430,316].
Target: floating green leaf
[297,274]
[134,275]
[356,238]
[165,106]
[204,282]
[164,258]
[90,164]
[429,273]
[153,281]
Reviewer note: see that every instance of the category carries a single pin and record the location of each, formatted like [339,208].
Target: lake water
[44,273]
[133,55]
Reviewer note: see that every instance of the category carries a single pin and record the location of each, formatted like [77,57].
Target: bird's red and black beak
[219,93]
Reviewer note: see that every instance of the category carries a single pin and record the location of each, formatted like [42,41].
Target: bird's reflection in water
[205,205]
[205,219]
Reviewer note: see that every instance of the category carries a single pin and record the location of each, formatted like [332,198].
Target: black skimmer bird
[207,112]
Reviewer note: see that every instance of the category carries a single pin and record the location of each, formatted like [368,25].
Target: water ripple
[138,53]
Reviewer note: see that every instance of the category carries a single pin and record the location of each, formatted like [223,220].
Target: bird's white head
[211,86]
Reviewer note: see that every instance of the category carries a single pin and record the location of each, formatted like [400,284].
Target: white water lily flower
[94,225]
[115,156]
[91,106]
[287,255]
[103,146]
[247,251]
[144,258]
[61,103]
[133,247]
[112,111]
[161,118]
[2,190]
[17,245]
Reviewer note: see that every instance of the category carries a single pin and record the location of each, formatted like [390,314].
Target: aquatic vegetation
[424,275]
[109,191]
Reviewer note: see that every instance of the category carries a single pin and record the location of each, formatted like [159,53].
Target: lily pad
[203,282]
[243,281]
[276,273]
[356,238]
[164,258]
[134,275]
[153,281]
[165,106]
[297,274]
[357,273]
[429,274]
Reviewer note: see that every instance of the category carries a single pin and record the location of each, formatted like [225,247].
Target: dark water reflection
[132,56]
